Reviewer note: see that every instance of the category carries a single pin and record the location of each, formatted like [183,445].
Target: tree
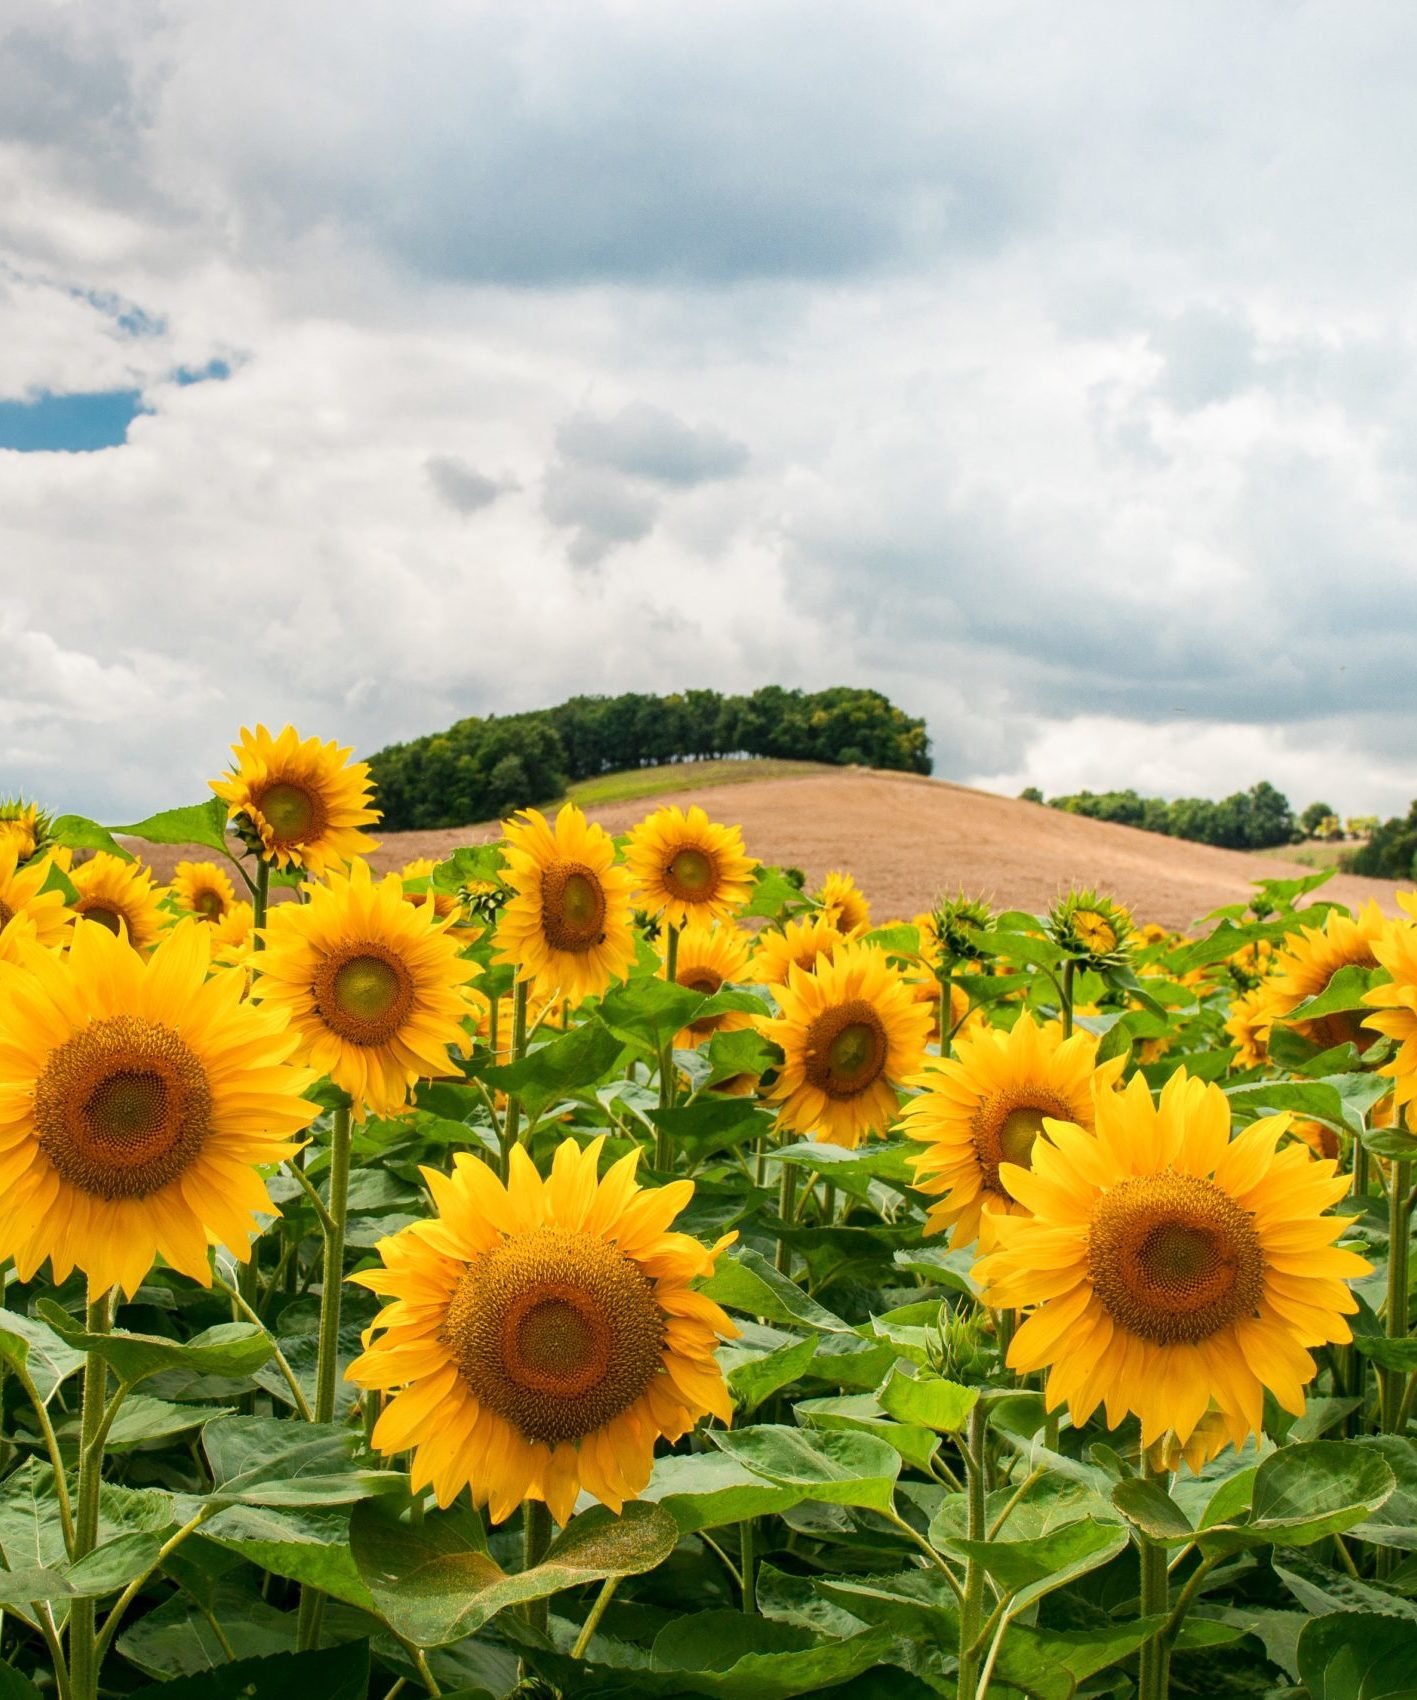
[1314,816]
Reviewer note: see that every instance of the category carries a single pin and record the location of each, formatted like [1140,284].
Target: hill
[908,839]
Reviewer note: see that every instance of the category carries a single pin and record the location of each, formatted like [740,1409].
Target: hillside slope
[909,839]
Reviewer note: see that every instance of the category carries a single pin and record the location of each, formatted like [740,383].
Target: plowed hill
[908,839]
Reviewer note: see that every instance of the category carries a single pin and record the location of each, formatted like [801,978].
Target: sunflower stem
[946,1009]
[786,1197]
[597,1611]
[1154,1658]
[512,1120]
[536,1538]
[1065,997]
[663,1151]
[746,1565]
[1398,1256]
[83,1645]
[977,1529]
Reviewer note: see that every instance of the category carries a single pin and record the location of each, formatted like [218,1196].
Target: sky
[1051,369]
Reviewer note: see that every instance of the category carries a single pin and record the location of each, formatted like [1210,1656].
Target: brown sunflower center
[7,914]
[556,1332]
[1341,1026]
[846,1049]
[113,919]
[1173,1258]
[294,813]
[364,993]
[708,981]
[209,903]
[572,907]
[122,1108]
[1006,1126]
[691,874]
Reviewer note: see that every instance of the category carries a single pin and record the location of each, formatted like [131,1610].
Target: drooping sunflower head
[27,910]
[800,944]
[1248,1024]
[952,923]
[374,988]
[203,890]
[566,928]
[1093,929]
[989,1104]
[119,896]
[707,959]
[296,802]
[1307,962]
[687,867]
[25,825]
[139,1096]
[1173,1268]
[542,1335]
[850,1034]
[843,904]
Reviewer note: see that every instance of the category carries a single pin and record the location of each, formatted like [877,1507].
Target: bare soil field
[908,840]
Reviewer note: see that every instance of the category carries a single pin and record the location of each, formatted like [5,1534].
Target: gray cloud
[600,509]
[646,442]
[463,487]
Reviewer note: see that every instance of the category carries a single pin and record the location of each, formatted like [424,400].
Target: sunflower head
[566,927]
[1248,1024]
[1308,960]
[298,803]
[843,904]
[850,1034]
[797,944]
[418,874]
[543,1334]
[119,896]
[707,959]
[25,825]
[990,1103]
[687,867]
[1173,1268]
[141,1093]
[27,910]
[1091,928]
[952,921]
[203,890]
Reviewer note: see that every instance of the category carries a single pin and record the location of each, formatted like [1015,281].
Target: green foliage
[1391,850]
[1256,819]
[481,768]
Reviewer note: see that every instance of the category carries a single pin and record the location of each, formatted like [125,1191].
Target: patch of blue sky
[69,424]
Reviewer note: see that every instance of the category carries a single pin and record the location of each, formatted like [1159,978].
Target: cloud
[463,487]
[600,509]
[646,442]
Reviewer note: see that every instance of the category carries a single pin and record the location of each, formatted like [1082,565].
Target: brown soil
[908,840]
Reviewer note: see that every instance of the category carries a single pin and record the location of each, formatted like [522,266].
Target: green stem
[83,1646]
[946,1011]
[1398,1254]
[260,902]
[597,1611]
[1066,997]
[1154,1658]
[131,1592]
[663,1152]
[512,1121]
[976,1529]
[536,1538]
[786,1197]
[281,1361]
[746,1566]
[51,1446]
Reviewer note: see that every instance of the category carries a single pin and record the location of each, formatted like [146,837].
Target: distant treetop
[479,768]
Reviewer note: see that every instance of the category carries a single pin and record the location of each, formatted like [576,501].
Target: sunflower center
[294,814]
[846,1049]
[101,913]
[7,914]
[209,903]
[364,993]
[556,1332]
[1174,1259]
[122,1108]
[572,907]
[707,981]
[1006,1126]
[690,874]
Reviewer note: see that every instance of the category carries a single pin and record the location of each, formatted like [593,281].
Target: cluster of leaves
[1391,850]
[480,768]
[815,1546]
[1256,819]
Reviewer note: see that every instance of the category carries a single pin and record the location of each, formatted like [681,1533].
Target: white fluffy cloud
[1054,374]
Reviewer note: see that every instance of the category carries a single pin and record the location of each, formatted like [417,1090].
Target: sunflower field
[599,1267]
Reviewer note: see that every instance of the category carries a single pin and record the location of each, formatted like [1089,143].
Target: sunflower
[1307,962]
[138,1095]
[849,1033]
[118,895]
[202,889]
[24,825]
[567,926]
[444,903]
[945,930]
[1250,1019]
[709,958]
[233,937]
[27,910]
[298,804]
[687,867]
[1396,1003]
[543,1334]
[1092,928]
[373,986]
[802,944]
[1172,1266]
[843,904]
[986,1105]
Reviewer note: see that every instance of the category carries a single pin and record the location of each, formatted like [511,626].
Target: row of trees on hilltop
[482,767]
[1247,820]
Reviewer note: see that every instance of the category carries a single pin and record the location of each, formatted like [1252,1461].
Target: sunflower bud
[1093,929]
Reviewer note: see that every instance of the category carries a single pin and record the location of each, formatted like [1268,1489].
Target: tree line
[1246,820]
[482,767]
